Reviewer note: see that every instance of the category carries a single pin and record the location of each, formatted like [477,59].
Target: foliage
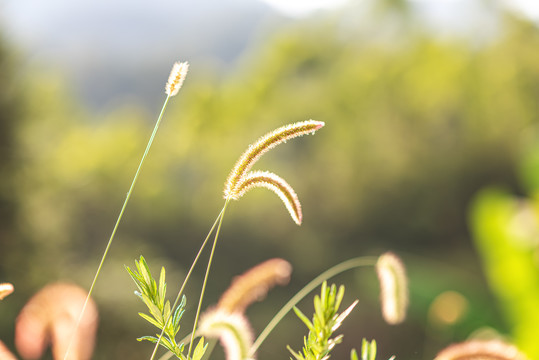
[162,316]
[414,129]
[326,319]
[506,230]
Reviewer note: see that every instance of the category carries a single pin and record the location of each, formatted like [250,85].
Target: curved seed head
[50,316]
[393,288]
[254,284]
[276,184]
[265,143]
[481,350]
[233,331]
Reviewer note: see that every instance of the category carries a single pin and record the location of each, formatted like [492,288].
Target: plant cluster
[227,321]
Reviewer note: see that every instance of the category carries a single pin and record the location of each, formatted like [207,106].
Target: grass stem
[206,279]
[128,196]
[217,221]
[335,270]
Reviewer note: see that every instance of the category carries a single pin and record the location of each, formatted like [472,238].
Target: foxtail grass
[393,288]
[174,83]
[254,284]
[238,183]
[264,144]
[232,329]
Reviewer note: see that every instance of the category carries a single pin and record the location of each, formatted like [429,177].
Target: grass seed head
[393,288]
[176,78]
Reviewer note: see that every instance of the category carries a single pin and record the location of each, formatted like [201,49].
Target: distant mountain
[124,48]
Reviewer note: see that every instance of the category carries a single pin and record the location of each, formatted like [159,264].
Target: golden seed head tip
[481,350]
[393,288]
[5,290]
[176,77]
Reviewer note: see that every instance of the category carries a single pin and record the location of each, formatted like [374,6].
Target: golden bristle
[276,184]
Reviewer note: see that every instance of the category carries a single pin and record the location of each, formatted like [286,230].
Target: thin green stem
[206,280]
[217,220]
[128,196]
[335,270]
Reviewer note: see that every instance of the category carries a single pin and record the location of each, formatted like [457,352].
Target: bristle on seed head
[176,78]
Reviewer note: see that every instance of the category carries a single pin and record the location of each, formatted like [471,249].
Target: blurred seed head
[5,354]
[481,350]
[254,284]
[393,288]
[50,317]
[232,329]
[5,290]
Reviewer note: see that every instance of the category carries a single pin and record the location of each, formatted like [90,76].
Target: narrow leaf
[303,318]
[151,320]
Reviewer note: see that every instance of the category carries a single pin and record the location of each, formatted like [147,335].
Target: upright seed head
[254,285]
[176,78]
[393,288]
[481,350]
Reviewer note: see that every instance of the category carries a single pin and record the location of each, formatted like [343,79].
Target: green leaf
[298,356]
[151,320]
[339,298]
[176,318]
[148,338]
[353,355]
[199,350]
[368,350]
[162,286]
[303,318]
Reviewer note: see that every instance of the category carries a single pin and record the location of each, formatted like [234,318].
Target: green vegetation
[415,127]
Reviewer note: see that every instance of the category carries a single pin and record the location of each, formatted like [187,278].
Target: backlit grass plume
[393,288]
[232,329]
[176,78]
[240,180]
[254,284]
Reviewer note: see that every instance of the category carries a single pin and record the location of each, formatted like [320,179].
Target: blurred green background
[429,150]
